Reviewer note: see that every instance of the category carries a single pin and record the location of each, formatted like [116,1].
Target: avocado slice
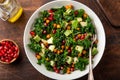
[94,51]
[37,38]
[69,60]
[68,32]
[79,48]
[74,24]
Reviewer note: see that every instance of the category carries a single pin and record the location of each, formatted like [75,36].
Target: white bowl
[77,73]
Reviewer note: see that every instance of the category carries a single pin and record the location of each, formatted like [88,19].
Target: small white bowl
[56,4]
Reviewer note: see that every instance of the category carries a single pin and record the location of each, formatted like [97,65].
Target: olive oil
[10,10]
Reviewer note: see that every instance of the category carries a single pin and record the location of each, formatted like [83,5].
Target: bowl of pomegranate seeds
[9,51]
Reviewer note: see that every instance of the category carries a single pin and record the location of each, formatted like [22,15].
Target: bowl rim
[17,52]
[104,37]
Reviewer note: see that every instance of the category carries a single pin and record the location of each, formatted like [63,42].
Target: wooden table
[107,69]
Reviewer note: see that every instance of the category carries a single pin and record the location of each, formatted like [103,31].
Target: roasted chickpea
[84,52]
[48,36]
[58,26]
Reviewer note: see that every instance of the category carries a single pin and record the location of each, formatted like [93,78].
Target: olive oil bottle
[10,10]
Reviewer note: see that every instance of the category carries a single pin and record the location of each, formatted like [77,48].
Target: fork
[90,75]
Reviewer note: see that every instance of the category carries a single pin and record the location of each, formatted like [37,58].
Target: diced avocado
[52,63]
[42,52]
[65,22]
[75,59]
[83,24]
[79,19]
[69,60]
[68,32]
[42,45]
[50,41]
[94,51]
[79,48]
[43,40]
[74,24]
[51,47]
[37,38]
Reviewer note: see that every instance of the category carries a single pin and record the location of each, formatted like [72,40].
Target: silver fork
[90,75]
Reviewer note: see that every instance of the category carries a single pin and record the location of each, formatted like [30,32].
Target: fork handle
[90,75]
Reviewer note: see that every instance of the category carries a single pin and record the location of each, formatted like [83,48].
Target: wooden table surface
[107,69]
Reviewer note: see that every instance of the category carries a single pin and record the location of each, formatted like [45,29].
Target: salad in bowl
[58,36]
[61,38]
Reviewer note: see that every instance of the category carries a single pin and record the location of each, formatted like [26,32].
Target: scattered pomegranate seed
[76,12]
[82,37]
[50,18]
[32,33]
[45,24]
[69,50]
[44,32]
[50,11]
[51,15]
[54,31]
[54,68]
[63,42]
[61,67]
[57,70]
[72,68]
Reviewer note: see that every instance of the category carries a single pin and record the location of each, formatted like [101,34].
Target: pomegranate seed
[51,15]
[2,51]
[2,59]
[5,54]
[9,55]
[15,55]
[3,43]
[12,54]
[82,37]
[6,43]
[1,47]
[63,42]
[50,18]
[5,47]
[44,32]
[72,68]
[16,48]
[10,51]
[50,11]
[12,48]
[54,31]
[76,12]
[32,33]
[11,43]
[57,70]
[69,51]
[5,50]
[6,60]
[45,24]
[10,58]
[61,67]
[1,54]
